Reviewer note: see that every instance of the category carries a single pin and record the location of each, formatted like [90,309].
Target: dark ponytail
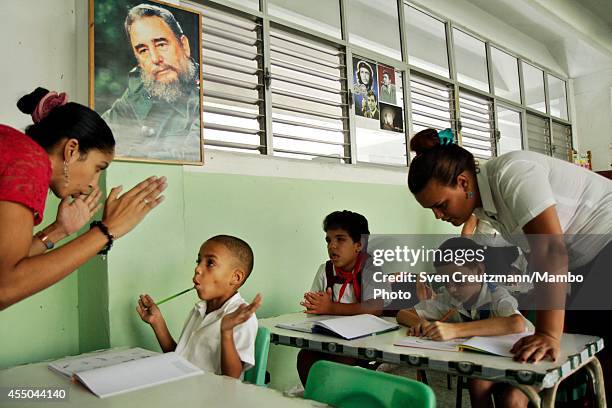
[71,120]
[436,161]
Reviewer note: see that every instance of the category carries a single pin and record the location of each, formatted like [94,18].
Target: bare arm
[37,247]
[548,253]
[231,364]
[72,215]
[150,313]
[164,338]
[322,303]
[408,317]
[493,326]
[22,275]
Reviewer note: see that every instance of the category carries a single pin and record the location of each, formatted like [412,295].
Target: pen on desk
[447,315]
[173,296]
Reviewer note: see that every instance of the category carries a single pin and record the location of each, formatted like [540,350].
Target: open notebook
[346,327]
[495,345]
[118,371]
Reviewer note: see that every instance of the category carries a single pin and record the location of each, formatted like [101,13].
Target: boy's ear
[238,276]
[480,268]
[358,246]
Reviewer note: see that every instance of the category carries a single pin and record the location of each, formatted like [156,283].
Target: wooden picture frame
[145,78]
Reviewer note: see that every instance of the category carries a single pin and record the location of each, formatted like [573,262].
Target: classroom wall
[38,50]
[281,219]
[593,105]
[277,205]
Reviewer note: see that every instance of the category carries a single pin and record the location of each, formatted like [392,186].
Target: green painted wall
[94,332]
[281,219]
[45,325]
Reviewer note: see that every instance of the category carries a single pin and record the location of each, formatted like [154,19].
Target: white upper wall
[39,44]
[593,104]
[41,49]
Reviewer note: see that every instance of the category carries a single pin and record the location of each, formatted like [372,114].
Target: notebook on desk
[420,342]
[494,345]
[98,359]
[116,373]
[346,327]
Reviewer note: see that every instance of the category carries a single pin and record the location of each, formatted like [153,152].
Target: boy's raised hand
[148,310]
[318,302]
[240,315]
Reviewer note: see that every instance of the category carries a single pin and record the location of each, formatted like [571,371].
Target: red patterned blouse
[25,171]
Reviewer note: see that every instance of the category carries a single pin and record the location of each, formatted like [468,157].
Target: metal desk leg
[531,393]
[596,374]
[549,395]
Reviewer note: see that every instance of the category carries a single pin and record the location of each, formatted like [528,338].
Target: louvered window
[562,141]
[233,82]
[477,133]
[538,134]
[432,104]
[309,98]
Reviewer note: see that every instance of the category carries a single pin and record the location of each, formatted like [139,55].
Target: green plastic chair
[257,374]
[346,386]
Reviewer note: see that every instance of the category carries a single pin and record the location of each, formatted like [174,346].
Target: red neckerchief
[350,277]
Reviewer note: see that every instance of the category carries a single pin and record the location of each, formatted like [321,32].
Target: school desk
[207,390]
[538,381]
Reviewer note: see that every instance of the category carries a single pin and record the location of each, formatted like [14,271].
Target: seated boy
[219,334]
[342,285]
[471,309]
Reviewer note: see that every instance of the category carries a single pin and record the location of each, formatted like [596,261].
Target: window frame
[404,66]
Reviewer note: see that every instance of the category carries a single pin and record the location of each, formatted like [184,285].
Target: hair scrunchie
[47,103]
[446,137]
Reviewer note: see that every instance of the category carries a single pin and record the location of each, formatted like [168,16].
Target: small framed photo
[145,78]
[365,88]
[386,84]
[391,118]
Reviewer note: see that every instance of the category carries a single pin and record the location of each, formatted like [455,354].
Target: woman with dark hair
[557,213]
[65,150]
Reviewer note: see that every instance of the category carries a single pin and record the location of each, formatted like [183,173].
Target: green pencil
[173,296]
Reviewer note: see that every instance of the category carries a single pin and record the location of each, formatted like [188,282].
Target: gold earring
[66,176]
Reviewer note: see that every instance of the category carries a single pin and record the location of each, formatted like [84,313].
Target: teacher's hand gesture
[73,214]
[123,212]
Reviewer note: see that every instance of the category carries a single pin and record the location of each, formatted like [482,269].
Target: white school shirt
[496,299]
[200,341]
[367,283]
[518,186]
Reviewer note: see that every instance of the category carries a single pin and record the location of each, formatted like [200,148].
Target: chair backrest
[257,374]
[346,386]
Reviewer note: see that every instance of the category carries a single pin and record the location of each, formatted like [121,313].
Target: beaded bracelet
[105,231]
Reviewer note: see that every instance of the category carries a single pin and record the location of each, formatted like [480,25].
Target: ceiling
[578,33]
[601,8]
